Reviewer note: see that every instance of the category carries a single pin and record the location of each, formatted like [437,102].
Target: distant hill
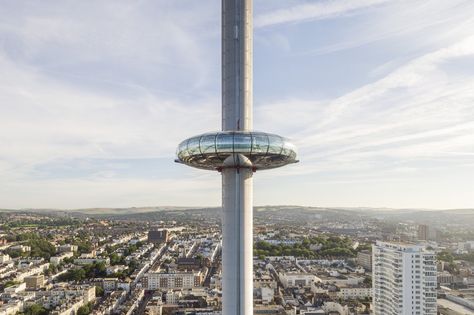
[126,211]
[285,213]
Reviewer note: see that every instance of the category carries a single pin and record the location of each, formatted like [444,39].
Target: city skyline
[96,95]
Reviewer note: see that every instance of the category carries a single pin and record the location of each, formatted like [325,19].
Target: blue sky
[378,95]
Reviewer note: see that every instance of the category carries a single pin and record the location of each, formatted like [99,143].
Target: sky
[378,96]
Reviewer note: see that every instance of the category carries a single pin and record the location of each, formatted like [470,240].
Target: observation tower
[237,152]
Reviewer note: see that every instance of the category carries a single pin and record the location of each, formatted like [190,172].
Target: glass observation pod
[209,151]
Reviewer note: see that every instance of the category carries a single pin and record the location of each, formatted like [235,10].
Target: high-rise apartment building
[158,236]
[404,279]
[423,231]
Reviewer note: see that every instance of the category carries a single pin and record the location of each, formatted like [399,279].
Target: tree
[116,259]
[83,246]
[41,248]
[445,256]
[351,263]
[99,291]
[27,236]
[368,280]
[84,310]
[132,266]
[365,246]
[14,253]
[73,275]
[10,283]
[35,309]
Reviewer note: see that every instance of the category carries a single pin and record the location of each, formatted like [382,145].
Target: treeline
[95,270]
[35,309]
[39,247]
[449,259]
[325,247]
[85,309]
[468,257]
[42,223]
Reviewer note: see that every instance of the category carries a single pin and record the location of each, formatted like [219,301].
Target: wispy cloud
[95,99]
[313,11]
[414,113]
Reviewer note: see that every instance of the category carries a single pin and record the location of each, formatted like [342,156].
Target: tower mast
[237,152]
[237,183]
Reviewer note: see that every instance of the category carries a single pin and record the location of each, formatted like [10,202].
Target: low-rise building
[34,282]
[346,293]
[30,271]
[67,248]
[172,297]
[4,258]
[109,284]
[115,269]
[16,288]
[175,280]
[21,248]
[92,260]
[111,304]
[296,279]
[265,295]
[364,259]
[445,278]
[56,260]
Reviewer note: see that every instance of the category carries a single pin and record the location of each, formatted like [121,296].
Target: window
[259,143]
[225,143]
[276,144]
[208,144]
[242,143]
[193,146]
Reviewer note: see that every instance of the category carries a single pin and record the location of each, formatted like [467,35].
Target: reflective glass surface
[260,143]
[208,151]
[275,144]
[242,143]
[193,146]
[208,144]
[225,143]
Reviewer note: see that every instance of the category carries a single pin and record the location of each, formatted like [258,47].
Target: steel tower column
[237,184]
[237,152]
[237,65]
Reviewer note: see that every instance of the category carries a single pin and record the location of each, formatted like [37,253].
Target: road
[141,308]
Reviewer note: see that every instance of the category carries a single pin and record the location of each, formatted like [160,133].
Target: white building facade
[404,279]
[179,280]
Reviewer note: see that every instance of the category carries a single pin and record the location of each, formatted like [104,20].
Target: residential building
[158,236]
[56,260]
[364,259]
[177,280]
[67,248]
[34,282]
[346,293]
[404,279]
[423,231]
[89,261]
[296,279]
[4,258]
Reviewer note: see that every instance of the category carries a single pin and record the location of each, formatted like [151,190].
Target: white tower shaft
[237,41]
[237,184]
